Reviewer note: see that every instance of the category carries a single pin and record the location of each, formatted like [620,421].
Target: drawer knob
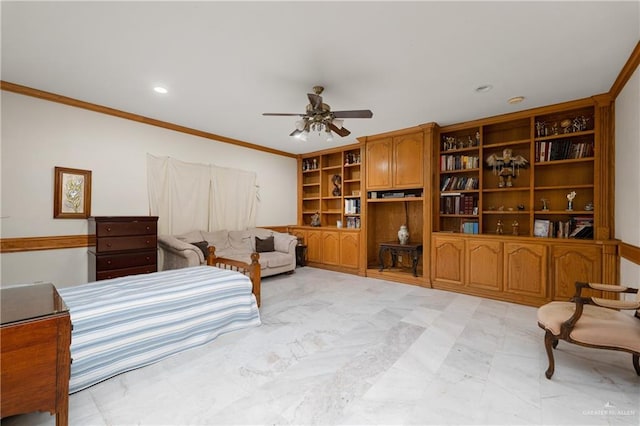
[108,229]
[108,244]
[148,258]
[108,262]
[148,228]
[148,242]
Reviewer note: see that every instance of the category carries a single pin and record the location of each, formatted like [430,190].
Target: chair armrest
[612,288]
[180,248]
[285,243]
[616,304]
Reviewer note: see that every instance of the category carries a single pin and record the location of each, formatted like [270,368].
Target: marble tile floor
[341,349]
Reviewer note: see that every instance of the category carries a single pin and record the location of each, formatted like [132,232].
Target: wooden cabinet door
[571,263]
[378,164]
[525,270]
[349,249]
[314,246]
[447,260]
[331,247]
[408,161]
[484,264]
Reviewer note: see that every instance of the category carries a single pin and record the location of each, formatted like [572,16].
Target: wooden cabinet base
[529,271]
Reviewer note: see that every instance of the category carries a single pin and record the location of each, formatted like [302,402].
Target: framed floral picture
[71,193]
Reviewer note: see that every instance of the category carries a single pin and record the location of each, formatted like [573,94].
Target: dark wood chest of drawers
[125,245]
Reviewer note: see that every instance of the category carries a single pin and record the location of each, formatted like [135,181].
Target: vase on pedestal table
[403,235]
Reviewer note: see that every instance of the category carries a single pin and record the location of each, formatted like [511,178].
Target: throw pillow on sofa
[204,246]
[264,245]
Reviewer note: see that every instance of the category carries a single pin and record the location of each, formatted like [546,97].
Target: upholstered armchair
[594,322]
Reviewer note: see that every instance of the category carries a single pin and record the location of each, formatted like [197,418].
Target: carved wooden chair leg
[549,342]
[636,363]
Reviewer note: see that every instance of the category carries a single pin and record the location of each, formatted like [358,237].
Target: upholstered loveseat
[277,250]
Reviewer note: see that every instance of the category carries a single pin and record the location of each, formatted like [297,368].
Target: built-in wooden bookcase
[330,188]
[542,226]
[558,148]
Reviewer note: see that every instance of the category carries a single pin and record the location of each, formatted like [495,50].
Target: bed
[125,323]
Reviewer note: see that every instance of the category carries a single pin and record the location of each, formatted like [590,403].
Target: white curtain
[233,199]
[191,196]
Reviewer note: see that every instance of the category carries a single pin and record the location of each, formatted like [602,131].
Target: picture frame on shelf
[541,228]
[71,193]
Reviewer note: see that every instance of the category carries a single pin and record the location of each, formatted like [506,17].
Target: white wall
[38,135]
[627,202]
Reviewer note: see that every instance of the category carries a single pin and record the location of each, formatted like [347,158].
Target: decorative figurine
[337,181]
[516,227]
[315,219]
[499,227]
[506,166]
[545,203]
[570,197]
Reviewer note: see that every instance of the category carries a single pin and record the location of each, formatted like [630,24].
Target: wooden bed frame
[252,270]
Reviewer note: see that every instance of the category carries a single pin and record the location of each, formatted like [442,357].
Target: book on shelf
[351,206]
[459,162]
[469,226]
[456,203]
[459,183]
[563,149]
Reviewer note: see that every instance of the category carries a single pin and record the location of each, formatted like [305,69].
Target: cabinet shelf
[393,200]
[550,188]
[460,215]
[446,172]
[564,212]
[511,212]
[511,189]
[565,135]
[461,150]
[310,198]
[561,162]
[508,143]
[462,191]
[332,168]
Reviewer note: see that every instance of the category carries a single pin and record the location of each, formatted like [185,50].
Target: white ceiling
[225,63]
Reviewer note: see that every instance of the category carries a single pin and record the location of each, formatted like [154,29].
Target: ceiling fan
[319,117]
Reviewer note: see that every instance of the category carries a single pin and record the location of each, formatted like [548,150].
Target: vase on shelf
[403,234]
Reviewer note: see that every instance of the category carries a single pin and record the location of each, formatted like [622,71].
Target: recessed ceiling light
[516,99]
[484,88]
[160,89]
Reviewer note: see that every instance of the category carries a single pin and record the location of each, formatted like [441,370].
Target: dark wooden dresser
[125,245]
[35,358]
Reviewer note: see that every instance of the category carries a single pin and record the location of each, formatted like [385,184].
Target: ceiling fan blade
[282,114]
[360,113]
[315,101]
[339,130]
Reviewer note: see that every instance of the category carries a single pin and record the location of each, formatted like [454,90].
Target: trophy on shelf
[570,197]
[545,203]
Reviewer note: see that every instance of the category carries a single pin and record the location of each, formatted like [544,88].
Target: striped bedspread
[125,323]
